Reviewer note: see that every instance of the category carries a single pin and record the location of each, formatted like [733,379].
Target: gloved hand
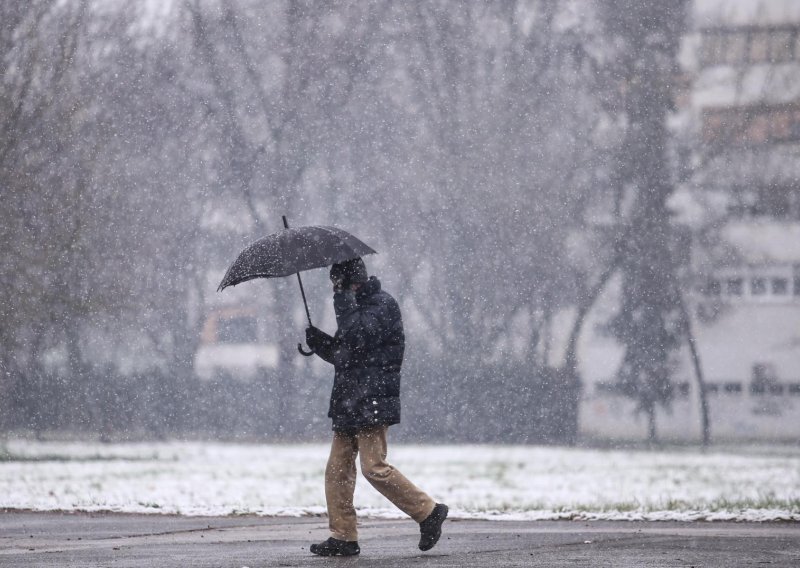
[344,302]
[315,338]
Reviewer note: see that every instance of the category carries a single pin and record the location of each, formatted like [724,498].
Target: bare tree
[37,44]
[95,240]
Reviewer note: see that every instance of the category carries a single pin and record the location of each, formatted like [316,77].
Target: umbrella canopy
[293,250]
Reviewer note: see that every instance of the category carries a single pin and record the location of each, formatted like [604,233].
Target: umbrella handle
[303,352]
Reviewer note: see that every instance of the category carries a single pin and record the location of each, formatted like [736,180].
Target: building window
[734,286]
[793,201]
[780,48]
[797,45]
[757,130]
[794,126]
[752,125]
[759,47]
[714,288]
[781,126]
[735,48]
[758,286]
[713,48]
[780,286]
[744,46]
[732,388]
[765,380]
[776,202]
[773,283]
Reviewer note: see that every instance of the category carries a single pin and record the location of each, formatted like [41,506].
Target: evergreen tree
[649,325]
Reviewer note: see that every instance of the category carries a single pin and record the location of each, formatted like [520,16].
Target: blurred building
[236,341]
[741,117]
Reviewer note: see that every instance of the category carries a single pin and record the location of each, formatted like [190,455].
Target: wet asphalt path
[99,540]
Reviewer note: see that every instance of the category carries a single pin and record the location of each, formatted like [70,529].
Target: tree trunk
[698,373]
[652,436]
[571,356]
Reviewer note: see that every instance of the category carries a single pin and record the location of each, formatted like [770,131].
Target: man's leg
[386,479]
[340,484]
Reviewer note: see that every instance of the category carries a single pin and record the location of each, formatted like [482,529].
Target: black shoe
[335,547]
[431,528]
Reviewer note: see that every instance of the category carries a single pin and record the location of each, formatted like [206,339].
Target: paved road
[99,540]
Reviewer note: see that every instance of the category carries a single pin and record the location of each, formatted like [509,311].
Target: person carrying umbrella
[367,354]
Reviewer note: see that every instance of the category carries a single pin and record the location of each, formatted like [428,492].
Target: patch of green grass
[674,505]
[7,457]
[714,506]
[761,502]
[624,507]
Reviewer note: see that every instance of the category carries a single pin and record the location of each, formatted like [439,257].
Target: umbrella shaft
[299,280]
[303,293]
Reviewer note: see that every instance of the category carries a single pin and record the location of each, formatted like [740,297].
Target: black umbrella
[290,252]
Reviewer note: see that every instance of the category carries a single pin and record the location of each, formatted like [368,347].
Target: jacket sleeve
[322,344]
[326,351]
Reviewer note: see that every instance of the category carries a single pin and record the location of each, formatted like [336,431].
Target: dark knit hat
[350,271]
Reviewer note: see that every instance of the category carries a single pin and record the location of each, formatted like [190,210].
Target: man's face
[337,281]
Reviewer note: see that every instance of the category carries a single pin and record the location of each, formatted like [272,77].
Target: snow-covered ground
[496,482]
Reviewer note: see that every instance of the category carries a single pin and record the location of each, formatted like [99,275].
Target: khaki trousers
[340,481]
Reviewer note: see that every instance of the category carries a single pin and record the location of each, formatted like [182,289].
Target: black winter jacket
[367,354]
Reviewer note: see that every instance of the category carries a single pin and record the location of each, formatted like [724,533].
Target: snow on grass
[494,482]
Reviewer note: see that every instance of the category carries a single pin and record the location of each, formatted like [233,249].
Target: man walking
[367,354]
